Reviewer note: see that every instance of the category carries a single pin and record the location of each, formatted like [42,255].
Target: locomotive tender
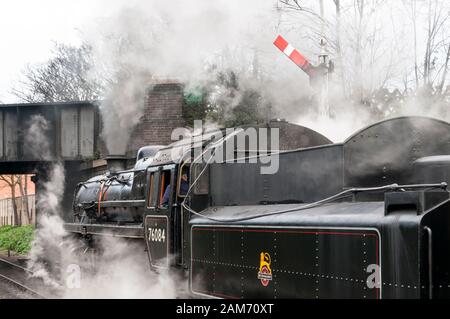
[366,218]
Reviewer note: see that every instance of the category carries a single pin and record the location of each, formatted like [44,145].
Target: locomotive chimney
[116,163]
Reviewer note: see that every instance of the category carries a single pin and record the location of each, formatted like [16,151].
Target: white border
[281,228]
[167,241]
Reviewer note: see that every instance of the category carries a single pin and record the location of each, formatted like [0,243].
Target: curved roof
[400,118]
[291,137]
[384,152]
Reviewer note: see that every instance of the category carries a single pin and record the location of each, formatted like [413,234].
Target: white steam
[191,42]
[35,140]
[117,269]
[50,231]
[121,271]
[194,41]
[49,234]
[121,110]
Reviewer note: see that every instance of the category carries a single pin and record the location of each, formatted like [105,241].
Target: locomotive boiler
[366,218]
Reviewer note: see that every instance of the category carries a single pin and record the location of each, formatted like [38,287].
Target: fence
[25,218]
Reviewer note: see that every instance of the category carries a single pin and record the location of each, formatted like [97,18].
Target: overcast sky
[29,27]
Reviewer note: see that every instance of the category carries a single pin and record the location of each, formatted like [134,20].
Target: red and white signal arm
[295,56]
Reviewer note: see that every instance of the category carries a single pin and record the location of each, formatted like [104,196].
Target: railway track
[14,281]
[26,292]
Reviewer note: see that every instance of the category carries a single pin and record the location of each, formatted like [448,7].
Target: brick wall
[163,113]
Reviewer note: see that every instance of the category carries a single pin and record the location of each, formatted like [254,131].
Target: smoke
[49,234]
[337,128]
[193,43]
[116,269]
[50,229]
[120,269]
[121,110]
[38,128]
[199,44]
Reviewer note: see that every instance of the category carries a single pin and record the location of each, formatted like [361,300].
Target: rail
[20,286]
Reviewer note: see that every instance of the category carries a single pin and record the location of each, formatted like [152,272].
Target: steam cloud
[118,269]
[45,251]
[193,42]
[121,270]
[35,140]
[148,41]
[121,111]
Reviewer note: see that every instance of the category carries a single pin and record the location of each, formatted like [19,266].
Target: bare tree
[436,23]
[65,77]
[22,182]
[359,84]
[445,71]
[337,5]
[296,5]
[413,5]
[354,33]
[12,182]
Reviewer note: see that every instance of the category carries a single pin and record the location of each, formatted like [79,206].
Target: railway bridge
[34,135]
[41,132]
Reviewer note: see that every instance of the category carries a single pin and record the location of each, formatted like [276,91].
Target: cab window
[183,181]
[139,183]
[153,189]
[165,189]
[159,190]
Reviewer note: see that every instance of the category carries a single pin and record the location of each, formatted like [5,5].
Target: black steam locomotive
[367,218]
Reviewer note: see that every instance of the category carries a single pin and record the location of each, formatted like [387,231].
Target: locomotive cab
[163,222]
